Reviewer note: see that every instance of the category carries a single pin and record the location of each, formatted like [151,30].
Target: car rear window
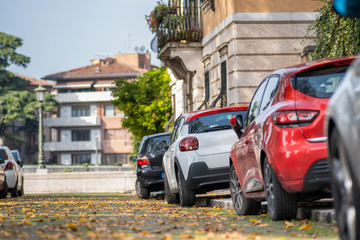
[319,83]
[155,144]
[213,122]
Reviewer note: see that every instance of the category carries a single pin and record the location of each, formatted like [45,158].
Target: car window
[319,83]
[255,103]
[270,91]
[3,155]
[175,133]
[15,154]
[213,122]
[155,144]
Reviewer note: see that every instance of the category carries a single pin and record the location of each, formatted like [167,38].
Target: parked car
[18,160]
[149,171]
[3,185]
[12,171]
[343,131]
[281,155]
[197,157]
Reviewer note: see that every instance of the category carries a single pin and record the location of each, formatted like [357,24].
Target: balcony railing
[70,146]
[183,24]
[72,122]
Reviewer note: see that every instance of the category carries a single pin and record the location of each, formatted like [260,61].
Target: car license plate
[162,175]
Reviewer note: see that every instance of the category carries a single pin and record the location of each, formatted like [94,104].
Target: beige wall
[224,8]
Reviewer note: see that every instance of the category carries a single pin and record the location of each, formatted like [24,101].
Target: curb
[314,213]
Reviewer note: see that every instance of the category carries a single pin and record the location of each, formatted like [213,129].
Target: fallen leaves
[113,216]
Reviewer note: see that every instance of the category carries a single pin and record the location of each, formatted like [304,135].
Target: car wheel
[344,190]
[14,191]
[5,190]
[187,196]
[281,205]
[242,205]
[170,197]
[142,192]
[21,191]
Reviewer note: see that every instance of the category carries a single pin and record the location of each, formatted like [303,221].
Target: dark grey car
[343,134]
[149,170]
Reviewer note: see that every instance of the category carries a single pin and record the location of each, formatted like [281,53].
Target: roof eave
[94,76]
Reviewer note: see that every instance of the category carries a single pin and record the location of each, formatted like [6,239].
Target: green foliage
[8,56]
[17,102]
[146,102]
[335,35]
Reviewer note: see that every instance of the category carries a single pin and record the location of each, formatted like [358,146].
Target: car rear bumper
[10,178]
[300,166]
[151,177]
[203,179]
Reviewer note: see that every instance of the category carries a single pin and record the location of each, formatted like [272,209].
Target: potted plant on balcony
[157,18]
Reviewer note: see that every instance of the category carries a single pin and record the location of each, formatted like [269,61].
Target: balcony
[72,122]
[182,24]
[70,146]
[84,97]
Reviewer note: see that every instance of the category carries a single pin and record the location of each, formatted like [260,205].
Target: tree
[335,35]
[17,102]
[146,103]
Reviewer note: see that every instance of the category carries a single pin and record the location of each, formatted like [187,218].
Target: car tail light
[189,144]
[143,161]
[288,118]
[9,166]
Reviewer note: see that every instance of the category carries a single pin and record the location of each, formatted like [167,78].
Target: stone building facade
[241,42]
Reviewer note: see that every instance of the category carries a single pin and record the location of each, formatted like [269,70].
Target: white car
[197,156]
[18,160]
[12,172]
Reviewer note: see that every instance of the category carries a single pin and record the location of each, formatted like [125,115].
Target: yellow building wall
[224,8]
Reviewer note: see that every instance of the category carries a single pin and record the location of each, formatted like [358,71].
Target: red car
[281,155]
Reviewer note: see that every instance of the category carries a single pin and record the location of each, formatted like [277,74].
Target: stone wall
[254,45]
[79,182]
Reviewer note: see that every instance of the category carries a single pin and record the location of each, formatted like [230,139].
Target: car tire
[21,191]
[345,191]
[170,197]
[5,190]
[142,192]
[14,191]
[187,196]
[281,205]
[242,205]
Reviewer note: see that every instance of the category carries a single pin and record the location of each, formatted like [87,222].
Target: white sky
[60,35]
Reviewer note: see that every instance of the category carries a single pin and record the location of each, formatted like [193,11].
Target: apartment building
[220,50]
[87,127]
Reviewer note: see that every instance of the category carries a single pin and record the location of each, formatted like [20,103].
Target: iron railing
[183,23]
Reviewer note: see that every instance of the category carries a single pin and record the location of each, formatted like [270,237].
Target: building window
[111,111]
[80,158]
[112,134]
[116,158]
[80,111]
[80,135]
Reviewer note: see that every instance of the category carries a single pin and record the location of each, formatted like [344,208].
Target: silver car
[343,134]
[14,178]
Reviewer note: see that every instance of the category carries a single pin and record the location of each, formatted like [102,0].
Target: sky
[60,35]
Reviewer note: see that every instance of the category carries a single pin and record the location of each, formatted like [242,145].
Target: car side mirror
[236,123]
[2,161]
[133,159]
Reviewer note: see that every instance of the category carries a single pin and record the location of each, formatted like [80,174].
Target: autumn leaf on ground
[288,225]
[305,227]
[71,226]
